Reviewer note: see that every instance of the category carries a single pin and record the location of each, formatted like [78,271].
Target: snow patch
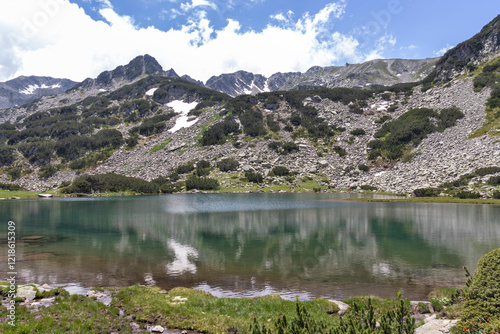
[151,91]
[31,88]
[183,109]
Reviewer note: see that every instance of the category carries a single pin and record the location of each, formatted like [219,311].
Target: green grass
[205,313]
[24,194]
[161,146]
[151,305]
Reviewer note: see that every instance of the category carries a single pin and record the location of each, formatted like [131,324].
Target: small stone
[343,307]
[157,329]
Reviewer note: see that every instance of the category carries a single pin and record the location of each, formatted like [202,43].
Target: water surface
[306,245]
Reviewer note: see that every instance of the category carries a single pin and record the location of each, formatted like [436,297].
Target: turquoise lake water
[244,245]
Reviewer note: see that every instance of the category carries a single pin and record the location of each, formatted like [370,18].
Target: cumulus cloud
[57,38]
[442,51]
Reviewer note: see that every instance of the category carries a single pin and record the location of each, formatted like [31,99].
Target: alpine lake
[246,245]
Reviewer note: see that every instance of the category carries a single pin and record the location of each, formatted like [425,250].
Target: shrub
[132,141]
[14,173]
[185,168]
[339,150]
[411,128]
[496,194]
[254,177]
[251,120]
[216,134]
[110,182]
[201,183]
[363,168]
[426,192]
[11,187]
[368,187]
[468,194]
[494,180]
[227,165]
[487,170]
[482,296]
[274,145]
[47,171]
[280,171]
[203,164]
[289,147]
[358,132]
[272,124]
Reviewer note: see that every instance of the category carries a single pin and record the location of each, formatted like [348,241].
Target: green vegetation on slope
[410,129]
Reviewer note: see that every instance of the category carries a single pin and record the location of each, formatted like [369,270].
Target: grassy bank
[139,307]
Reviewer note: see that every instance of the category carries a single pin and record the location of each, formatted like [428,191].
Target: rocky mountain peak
[136,68]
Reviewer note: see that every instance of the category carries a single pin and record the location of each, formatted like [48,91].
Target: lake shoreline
[21,195]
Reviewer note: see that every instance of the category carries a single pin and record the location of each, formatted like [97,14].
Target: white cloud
[57,38]
[441,52]
[197,3]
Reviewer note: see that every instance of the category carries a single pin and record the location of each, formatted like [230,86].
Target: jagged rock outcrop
[238,83]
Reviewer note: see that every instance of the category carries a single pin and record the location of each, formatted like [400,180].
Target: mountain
[380,72]
[466,56]
[140,121]
[22,90]
[136,68]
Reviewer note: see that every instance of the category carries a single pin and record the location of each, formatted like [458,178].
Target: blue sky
[77,39]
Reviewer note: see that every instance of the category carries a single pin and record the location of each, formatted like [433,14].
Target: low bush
[368,187]
[487,170]
[11,187]
[494,180]
[216,134]
[426,192]
[468,194]
[47,171]
[358,132]
[254,177]
[280,171]
[201,183]
[185,168]
[496,194]
[227,165]
[481,312]
[110,182]
[363,168]
[289,147]
[340,151]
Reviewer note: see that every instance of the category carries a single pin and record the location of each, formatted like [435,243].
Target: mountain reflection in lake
[306,245]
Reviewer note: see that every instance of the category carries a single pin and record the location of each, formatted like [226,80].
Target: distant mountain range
[22,90]
[381,72]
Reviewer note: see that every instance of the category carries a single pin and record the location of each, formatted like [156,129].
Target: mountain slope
[466,56]
[22,90]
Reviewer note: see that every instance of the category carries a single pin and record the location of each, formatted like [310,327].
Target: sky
[77,39]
